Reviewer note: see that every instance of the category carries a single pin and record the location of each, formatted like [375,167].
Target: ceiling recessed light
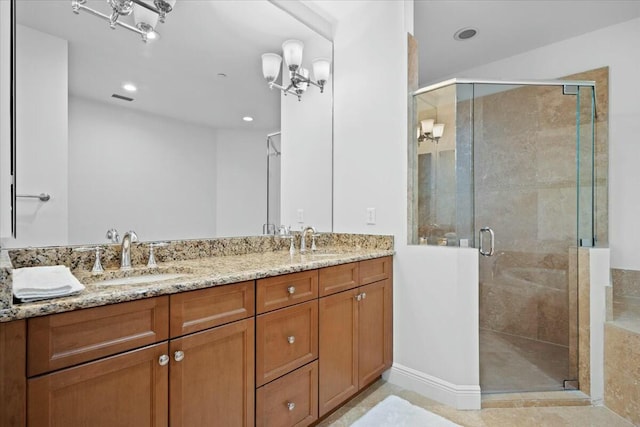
[465,33]
[129,87]
[247,118]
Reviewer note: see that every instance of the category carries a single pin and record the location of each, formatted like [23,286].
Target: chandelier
[298,76]
[146,14]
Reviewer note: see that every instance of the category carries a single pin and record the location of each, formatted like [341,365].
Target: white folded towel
[38,283]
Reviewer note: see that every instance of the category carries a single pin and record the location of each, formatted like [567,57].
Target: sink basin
[134,280]
[135,276]
[320,255]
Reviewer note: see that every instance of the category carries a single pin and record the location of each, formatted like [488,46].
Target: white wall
[306,159]
[370,119]
[138,171]
[241,201]
[42,129]
[618,47]
[5,117]
[435,289]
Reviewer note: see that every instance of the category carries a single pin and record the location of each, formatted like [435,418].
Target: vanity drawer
[285,340]
[338,278]
[289,401]
[374,270]
[205,308]
[283,291]
[61,340]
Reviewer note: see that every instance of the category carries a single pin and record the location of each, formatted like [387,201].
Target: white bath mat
[396,412]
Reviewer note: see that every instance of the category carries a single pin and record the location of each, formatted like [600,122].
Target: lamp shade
[321,69]
[438,130]
[427,125]
[292,51]
[271,66]
[142,15]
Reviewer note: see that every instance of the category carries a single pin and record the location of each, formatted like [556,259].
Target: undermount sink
[134,280]
[135,276]
[321,254]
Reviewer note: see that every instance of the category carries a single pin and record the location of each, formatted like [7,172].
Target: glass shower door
[526,191]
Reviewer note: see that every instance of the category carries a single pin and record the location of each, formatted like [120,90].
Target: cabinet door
[212,379]
[338,349]
[374,331]
[125,390]
[13,380]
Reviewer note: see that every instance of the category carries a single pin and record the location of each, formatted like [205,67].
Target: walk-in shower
[512,174]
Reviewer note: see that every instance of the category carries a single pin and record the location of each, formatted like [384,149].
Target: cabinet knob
[364,295]
[291,339]
[178,355]
[163,360]
[291,406]
[358,297]
[291,290]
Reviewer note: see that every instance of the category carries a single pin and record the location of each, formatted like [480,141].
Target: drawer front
[285,340]
[66,339]
[338,278]
[282,291]
[289,401]
[374,270]
[205,308]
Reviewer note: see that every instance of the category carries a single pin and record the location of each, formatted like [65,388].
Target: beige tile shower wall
[526,294]
[622,372]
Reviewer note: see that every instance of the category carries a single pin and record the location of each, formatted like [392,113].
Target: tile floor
[510,363]
[567,416]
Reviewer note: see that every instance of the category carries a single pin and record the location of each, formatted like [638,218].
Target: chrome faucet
[303,240]
[125,256]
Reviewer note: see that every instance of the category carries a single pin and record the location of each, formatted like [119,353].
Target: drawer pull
[291,290]
[291,406]
[291,339]
[163,360]
[178,355]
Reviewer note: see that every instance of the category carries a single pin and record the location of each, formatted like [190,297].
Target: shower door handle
[483,231]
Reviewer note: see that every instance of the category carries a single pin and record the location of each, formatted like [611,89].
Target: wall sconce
[430,130]
[299,77]
[145,14]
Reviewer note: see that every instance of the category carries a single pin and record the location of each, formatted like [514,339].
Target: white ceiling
[505,28]
[177,74]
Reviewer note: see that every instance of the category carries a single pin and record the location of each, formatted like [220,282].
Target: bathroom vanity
[265,339]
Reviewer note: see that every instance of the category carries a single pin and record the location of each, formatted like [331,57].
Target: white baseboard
[457,396]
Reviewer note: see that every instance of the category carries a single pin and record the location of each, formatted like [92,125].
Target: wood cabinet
[13,365]
[282,351]
[355,328]
[127,389]
[207,368]
[211,377]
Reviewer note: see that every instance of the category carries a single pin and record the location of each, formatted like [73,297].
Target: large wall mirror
[172,159]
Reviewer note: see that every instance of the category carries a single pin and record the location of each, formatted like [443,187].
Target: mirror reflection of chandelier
[430,130]
[298,76]
[146,14]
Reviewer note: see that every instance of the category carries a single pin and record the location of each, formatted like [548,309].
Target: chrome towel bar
[42,196]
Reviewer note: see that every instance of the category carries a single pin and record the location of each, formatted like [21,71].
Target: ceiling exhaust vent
[122,97]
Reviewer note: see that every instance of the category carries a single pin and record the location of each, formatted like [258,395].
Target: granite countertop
[193,274]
